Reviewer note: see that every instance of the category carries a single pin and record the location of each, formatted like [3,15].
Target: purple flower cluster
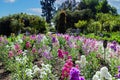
[114,44]
[75,74]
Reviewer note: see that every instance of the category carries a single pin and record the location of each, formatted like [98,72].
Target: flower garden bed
[59,57]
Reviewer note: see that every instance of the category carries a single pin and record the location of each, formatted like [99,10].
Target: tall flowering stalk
[66,69]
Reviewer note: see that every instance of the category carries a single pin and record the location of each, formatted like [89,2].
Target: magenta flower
[66,68]
[69,57]
[60,53]
[66,53]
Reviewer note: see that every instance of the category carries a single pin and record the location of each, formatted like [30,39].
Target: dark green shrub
[61,28]
[16,22]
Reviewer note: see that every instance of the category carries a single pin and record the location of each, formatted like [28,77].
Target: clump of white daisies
[103,74]
[42,73]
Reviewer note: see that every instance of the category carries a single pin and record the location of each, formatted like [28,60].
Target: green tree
[48,9]
[97,27]
[81,25]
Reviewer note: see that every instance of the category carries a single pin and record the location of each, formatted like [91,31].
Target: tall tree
[48,9]
[68,4]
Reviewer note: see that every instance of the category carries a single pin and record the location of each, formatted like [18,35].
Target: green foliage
[81,24]
[24,22]
[114,36]
[104,16]
[97,27]
[109,22]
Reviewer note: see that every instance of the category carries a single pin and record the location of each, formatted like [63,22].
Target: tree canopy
[48,9]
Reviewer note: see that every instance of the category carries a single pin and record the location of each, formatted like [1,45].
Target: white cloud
[115,3]
[9,1]
[36,11]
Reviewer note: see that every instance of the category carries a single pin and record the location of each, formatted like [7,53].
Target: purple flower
[114,44]
[114,48]
[118,67]
[74,74]
[39,38]
[119,70]
[118,75]
[81,78]
[47,55]
[54,39]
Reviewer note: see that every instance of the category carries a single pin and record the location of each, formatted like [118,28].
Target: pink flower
[67,37]
[34,50]
[28,45]
[17,46]
[19,52]
[10,54]
[33,37]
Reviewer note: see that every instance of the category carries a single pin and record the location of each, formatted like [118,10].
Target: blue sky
[33,6]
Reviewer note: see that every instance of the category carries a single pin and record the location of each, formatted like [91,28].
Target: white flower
[43,74]
[29,72]
[77,62]
[83,61]
[95,77]
[24,60]
[108,76]
[104,73]
[18,59]
[25,52]
[97,73]
[36,69]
